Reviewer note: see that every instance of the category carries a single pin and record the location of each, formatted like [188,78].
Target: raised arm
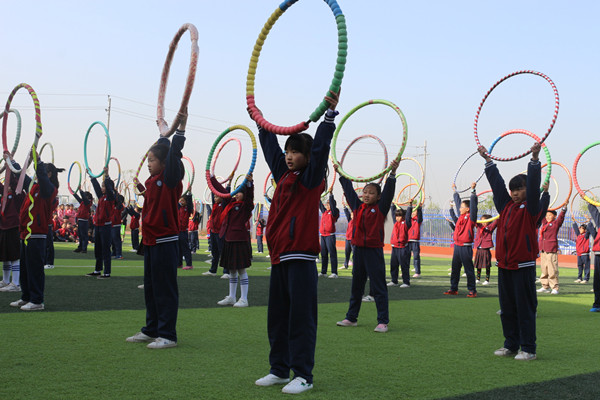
[333,207]
[534,179]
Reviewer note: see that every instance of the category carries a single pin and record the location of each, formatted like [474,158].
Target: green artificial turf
[437,346]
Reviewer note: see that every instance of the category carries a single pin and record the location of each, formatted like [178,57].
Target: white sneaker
[404,285]
[19,303]
[298,385]
[368,299]
[32,307]
[486,283]
[416,275]
[271,380]
[140,337]
[346,322]
[133,251]
[463,275]
[141,286]
[333,276]
[499,312]
[161,343]
[554,291]
[577,280]
[48,266]
[525,356]
[543,290]
[241,303]
[477,281]
[350,263]
[11,287]
[393,284]
[225,276]
[504,352]
[3,284]
[322,275]
[584,282]
[208,273]
[227,301]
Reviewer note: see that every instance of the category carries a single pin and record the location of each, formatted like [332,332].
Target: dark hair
[51,168]
[486,216]
[88,195]
[160,151]
[583,226]
[301,142]
[518,182]
[467,203]
[552,212]
[377,187]
[400,212]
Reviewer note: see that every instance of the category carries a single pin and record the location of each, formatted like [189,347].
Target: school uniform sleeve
[408,219]
[333,207]
[387,194]
[501,196]
[173,167]
[576,228]
[561,217]
[110,189]
[79,199]
[322,206]
[315,171]
[347,213]
[473,206]
[351,196]
[420,215]
[452,226]
[534,180]
[544,204]
[272,152]
[393,211]
[46,187]
[591,229]
[457,202]
[132,212]
[96,187]
[453,215]
[189,202]
[492,227]
[594,214]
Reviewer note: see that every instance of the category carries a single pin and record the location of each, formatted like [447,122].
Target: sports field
[437,346]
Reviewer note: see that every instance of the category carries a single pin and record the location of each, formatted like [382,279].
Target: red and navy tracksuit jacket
[548,239]
[414,231]
[484,237]
[159,215]
[294,216]
[464,229]
[516,238]
[44,194]
[328,217]
[11,216]
[235,216]
[106,201]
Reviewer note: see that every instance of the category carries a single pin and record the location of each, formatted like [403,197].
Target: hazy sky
[435,60]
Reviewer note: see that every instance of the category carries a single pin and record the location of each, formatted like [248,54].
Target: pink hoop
[237,162]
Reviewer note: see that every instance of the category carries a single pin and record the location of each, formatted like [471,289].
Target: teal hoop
[85,159]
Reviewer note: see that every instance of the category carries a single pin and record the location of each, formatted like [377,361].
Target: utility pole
[107,127]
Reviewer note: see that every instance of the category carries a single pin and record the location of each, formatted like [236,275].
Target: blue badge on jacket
[158,183]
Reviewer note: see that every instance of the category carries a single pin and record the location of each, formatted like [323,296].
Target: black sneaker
[105,276]
[83,251]
[77,250]
[95,273]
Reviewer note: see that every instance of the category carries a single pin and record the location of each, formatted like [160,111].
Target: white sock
[244,285]
[6,272]
[16,272]
[233,278]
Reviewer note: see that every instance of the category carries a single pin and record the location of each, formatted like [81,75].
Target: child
[292,238]
[349,229]
[596,250]
[9,233]
[33,248]
[464,234]
[83,216]
[216,242]
[160,239]
[583,252]
[400,250]
[185,207]
[134,226]
[103,223]
[117,217]
[329,216]
[237,251]
[368,246]
[414,237]
[260,228]
[516,252]
[548,243]
[193,225]
[483,244]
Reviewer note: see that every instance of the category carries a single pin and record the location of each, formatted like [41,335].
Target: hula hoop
[237,179]
[330,189]
[119,169]
[127,194]
[397,200]
[193,175]
[256,213]
[461,166]
[207,192]
[38,125]
[570,185]
[85,159]
[342,52]
[163,127]
[237,162]
[422,178]
[357,139]
[136,180]
[210,156]
[495,217]
[69,178]
[576,182]
[531,135]
[556,104]
[573,203]
[17,137]
[419,192]
[31,198]
[341,124]
[51,150]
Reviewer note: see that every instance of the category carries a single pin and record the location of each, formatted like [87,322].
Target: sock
[244,285]
[6,272]
[233,279]
[16,272]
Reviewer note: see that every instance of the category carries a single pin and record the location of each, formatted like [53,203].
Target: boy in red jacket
[582,245]
[400,250]
[548,242]
[329,216]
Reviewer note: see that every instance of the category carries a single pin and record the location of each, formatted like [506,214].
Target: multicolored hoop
[163,127]
[343,121]
[51,150]
[38,125]
[85,159]
[342,52]
[556,104]
[118,182]
[136,179]
[537,139]
[359,138]
[192,176]
[17,137]
[556,183]
[210,156]
[576,182]
[69,177]
[237,162]
[461,166]
[31,198]
[495,217]
[419,191]
[573,203]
